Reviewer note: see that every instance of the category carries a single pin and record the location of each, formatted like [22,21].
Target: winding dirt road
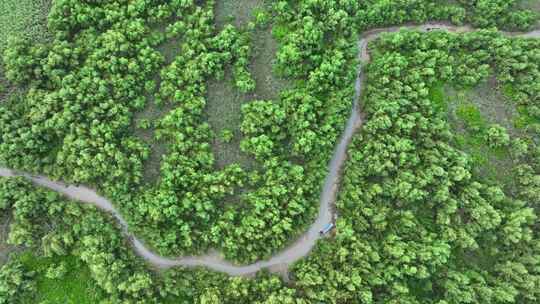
[302,246]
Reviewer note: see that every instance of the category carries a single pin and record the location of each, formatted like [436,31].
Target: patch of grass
[280,31]
[5,248]
[471,115]
[75,287]
[223,112]
[151,112]
[508,90]
[436,95]
[23,18]
[224,102]
[237,12]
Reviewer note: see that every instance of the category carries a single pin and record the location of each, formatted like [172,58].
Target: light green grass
[75,287]
[470,114]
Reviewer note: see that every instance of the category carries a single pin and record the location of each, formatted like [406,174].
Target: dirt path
[301,247]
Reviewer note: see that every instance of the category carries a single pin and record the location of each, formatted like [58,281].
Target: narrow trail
[302,246]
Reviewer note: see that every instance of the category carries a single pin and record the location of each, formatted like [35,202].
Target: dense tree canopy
[416,223]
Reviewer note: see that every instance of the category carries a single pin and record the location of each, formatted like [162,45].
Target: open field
[224,105]
[151,112]
[224,101]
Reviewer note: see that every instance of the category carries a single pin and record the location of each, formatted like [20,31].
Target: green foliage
[60,279]
[500,12]
[497,137]
[227,135]
[471,115]
[416,224]
[56,271]
[14,282]
[144,124]
[101,252]
[201,286]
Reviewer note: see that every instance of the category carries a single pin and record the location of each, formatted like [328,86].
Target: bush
[227,135]
[56,271]
[497,137]
[14,280]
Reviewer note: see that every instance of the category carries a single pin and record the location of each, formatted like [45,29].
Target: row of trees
[480,13]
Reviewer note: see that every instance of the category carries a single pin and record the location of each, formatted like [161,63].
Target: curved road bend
[302,246]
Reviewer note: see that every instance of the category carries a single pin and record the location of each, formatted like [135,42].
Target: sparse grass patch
[471,115]
[5,248]
[151,113]
[237,12]
[76,286]
[224,102]
[471,112]
[23,18]
[533,5]
[224,112]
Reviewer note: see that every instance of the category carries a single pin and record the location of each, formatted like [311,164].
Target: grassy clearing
[533,5]
[237,12]
[151,112]
[470,113]
[21,18]
[5,248]
[224,102]
[75,287]
[223,112]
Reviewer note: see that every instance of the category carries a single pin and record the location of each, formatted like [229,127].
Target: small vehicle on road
[326,228]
